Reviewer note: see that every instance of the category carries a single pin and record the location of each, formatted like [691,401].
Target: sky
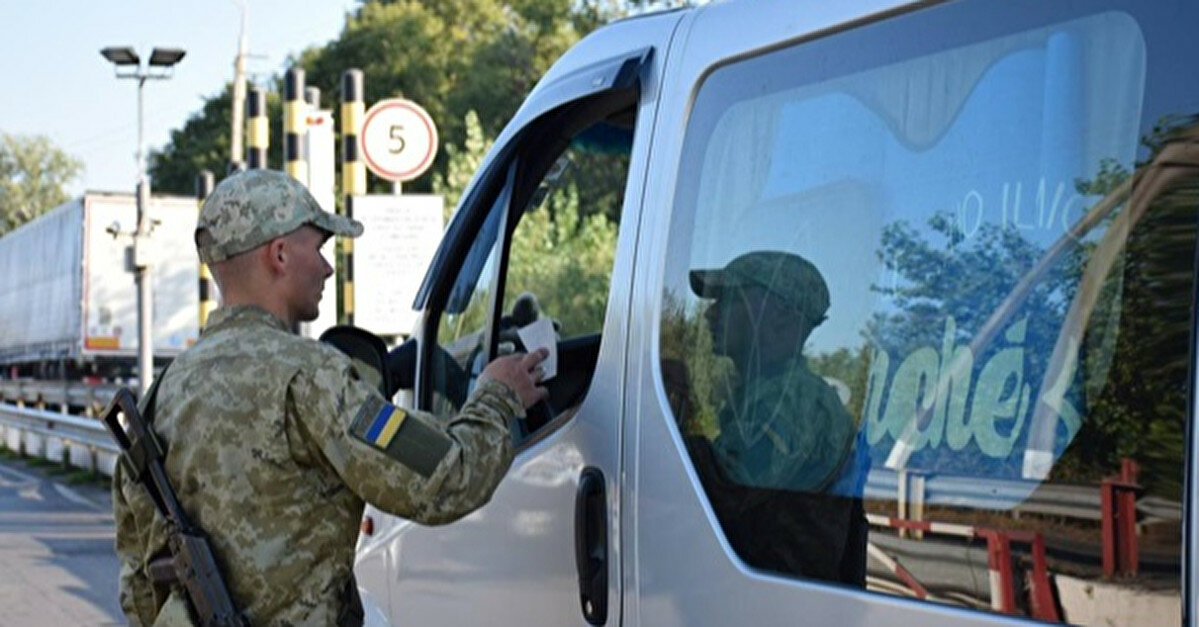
[58,85]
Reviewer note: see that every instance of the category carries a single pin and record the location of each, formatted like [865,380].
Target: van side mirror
[368,352]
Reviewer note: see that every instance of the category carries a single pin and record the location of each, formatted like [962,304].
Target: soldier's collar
[242,314]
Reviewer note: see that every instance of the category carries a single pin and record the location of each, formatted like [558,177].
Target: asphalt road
[56,547]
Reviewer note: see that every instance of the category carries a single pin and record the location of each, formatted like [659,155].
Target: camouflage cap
[251,208]
[790,278]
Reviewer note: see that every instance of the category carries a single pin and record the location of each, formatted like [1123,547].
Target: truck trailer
[68,302]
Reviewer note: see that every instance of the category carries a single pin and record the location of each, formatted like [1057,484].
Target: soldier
[788,461]
[275,442]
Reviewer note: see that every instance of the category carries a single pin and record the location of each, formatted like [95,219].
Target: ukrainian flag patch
[408,439]
[377,422]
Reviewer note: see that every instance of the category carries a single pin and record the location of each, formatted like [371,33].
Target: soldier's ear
[276,254]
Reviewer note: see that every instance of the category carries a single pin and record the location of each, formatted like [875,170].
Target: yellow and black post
[353,180]
[295,125]
[260,130]
[204,184]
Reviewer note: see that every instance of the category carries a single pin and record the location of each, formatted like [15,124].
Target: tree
[1129,387]
[461,163]
[32,174]
[452,57]
[203,144]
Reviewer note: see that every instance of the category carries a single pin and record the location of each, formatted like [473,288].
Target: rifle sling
[144,449]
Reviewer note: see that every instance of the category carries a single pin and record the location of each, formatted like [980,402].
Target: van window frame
[569,106]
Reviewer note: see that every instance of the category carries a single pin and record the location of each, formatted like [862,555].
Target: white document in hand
[541,334]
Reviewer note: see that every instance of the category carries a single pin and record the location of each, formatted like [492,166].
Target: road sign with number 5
[398,139]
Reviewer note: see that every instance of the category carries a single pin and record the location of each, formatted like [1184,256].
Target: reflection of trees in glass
[851,367]
[1140,410]
[1130,385]
[946,286]
[697,380]
[966,278]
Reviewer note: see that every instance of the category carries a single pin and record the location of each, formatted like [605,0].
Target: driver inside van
[787,459]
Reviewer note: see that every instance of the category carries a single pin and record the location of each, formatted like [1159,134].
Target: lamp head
[121,55]
[166,57]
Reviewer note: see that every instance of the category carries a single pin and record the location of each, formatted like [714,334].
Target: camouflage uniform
[274,444]
[788,462]
[787,431]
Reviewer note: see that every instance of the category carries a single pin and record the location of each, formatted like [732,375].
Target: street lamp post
[158,67]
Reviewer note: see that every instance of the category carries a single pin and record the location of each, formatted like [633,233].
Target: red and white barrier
[1041,598]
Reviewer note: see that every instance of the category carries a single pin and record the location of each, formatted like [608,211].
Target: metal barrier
[60,393]
[914,490]
[80,442]
[1041,598]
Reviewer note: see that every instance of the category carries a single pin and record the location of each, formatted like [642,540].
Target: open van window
[545,251]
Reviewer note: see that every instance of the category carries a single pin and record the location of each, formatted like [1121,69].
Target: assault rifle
[194,565]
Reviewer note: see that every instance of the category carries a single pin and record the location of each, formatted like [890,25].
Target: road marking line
[76,497]
[20,475]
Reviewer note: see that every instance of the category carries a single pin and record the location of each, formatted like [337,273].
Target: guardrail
[58,393]
[915,490]
[45,434]
[80,442]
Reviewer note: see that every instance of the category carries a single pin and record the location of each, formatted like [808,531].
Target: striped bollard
[353,180]
[260,130]
[295,125]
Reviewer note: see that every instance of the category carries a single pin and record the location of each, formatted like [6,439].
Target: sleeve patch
[407,439]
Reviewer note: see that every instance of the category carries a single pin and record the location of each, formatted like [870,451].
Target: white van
[867,313]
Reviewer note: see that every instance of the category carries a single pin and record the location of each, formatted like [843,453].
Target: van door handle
[591,545]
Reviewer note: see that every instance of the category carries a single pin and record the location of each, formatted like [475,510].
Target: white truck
[68,304]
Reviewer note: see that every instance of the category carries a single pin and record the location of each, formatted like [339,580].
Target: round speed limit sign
[398,139]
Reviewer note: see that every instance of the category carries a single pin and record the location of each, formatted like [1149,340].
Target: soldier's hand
[522,372]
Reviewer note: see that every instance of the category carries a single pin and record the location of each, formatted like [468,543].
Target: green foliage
[461,163]
[560,253]
[566,261]
[203,144]
[848,367]
[1110,175]
[1141,410]
[1131,382]
[697,380]
[32,175]
[946,274]
[451,56]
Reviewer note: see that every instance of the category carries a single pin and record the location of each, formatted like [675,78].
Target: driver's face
[734,319]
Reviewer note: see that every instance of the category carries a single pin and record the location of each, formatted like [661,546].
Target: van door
[544,236]
[918,330]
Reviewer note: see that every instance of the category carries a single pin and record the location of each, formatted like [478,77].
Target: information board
[391,257]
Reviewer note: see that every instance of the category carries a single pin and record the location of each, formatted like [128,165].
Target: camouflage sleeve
[403,461]
[136,594]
